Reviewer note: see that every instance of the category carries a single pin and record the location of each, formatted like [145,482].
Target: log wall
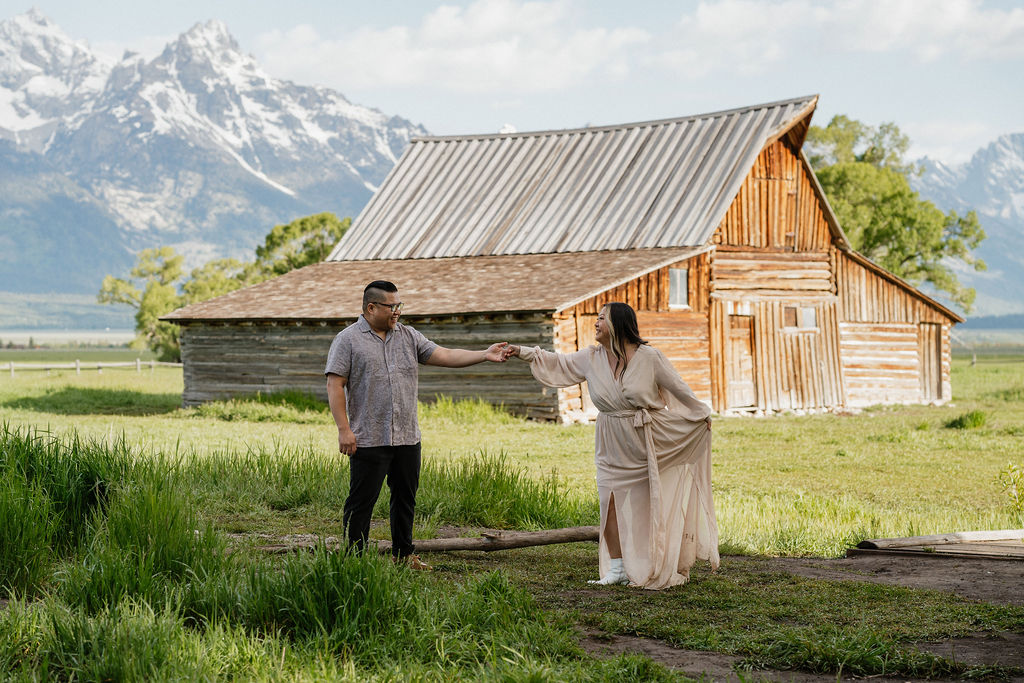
[875,311]
[794,367]
[223,361]
[880,363]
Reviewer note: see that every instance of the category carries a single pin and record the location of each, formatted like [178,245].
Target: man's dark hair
[374,291]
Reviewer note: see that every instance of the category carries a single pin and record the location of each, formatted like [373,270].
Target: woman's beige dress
[653,456]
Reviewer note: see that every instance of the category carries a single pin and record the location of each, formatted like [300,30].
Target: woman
[653,453]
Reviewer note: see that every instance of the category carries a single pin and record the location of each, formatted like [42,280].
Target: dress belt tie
[640,416]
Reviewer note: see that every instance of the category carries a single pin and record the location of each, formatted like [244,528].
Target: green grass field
[788,485]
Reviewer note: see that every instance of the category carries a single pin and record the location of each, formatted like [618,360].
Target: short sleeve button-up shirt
[383,378]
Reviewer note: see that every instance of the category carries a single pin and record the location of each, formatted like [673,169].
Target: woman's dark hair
[622,329]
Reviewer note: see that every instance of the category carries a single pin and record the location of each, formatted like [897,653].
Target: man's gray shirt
[383,378]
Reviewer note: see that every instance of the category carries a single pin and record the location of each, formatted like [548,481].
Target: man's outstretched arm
[461,358]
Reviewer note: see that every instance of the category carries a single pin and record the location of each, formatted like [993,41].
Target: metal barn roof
[661,183]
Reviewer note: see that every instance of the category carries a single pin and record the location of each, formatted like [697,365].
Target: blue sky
[946,71]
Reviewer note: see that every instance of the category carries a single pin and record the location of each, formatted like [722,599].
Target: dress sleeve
[557,369]
[676,392]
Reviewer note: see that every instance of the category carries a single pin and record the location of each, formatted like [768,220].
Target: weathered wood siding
[890,339]
[880,362]
[793,365]
[681,334]
[774,253]
[223,361]
[867,297]
[776,207]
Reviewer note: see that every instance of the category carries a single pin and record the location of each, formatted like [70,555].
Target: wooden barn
[713,227]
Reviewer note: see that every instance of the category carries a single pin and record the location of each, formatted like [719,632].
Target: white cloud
[952,142]
[747,37]
[488,46]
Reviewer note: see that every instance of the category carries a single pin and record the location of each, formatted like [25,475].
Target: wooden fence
[78,366]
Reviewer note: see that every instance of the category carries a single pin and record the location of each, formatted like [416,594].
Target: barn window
[803,317]
[789,316]
[678,288]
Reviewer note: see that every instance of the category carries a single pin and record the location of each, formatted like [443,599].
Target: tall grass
[49,491]
[75,474]
[147,544]
[489,490]
[367,609]
[26,530]
[135,598]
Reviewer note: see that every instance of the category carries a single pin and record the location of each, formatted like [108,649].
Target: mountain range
[200,149]
[991,183]
[197,148]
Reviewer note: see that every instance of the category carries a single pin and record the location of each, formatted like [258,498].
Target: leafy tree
[151,290]
[300,243]
[866,178]
[215,278]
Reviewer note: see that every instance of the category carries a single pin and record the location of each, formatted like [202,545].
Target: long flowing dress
[653,457]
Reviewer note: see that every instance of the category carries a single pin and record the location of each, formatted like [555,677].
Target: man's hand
[346,441]
[497,353]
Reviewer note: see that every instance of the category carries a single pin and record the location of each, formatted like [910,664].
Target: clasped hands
[501,352]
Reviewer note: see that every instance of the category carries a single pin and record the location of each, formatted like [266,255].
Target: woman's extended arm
[555,369]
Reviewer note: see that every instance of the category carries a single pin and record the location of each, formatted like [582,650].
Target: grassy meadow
[114,503]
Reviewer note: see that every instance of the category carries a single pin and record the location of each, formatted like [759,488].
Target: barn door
[930,351]
[741,392]
[585,336]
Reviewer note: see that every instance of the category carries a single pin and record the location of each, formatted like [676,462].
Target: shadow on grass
[88,401]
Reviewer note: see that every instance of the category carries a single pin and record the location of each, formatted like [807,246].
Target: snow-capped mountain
[198,148]
[991,183]
[44,77]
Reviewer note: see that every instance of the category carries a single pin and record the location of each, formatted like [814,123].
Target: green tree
[215,278]
[300,243]
[151,289]
[866,179]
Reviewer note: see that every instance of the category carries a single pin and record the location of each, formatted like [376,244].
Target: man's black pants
[368,468]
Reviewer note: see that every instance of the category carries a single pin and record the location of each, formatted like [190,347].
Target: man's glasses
[395,308]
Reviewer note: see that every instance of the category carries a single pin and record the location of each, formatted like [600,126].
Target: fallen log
[502,540]
[487,541]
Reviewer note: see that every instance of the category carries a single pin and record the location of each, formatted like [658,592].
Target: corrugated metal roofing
[644,185]
[481,284]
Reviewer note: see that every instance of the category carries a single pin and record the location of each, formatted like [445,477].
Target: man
[375,363]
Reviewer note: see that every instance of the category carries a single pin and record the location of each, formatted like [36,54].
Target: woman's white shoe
[616,574]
